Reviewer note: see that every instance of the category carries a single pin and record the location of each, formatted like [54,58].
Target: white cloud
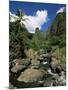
[60,10]
[13,17]
[32,22]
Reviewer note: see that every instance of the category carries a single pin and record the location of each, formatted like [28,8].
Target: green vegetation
[21,39]
[41,55]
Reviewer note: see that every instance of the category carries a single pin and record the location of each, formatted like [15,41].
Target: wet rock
[30,75]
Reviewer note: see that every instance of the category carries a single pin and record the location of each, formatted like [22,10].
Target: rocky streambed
[43,71]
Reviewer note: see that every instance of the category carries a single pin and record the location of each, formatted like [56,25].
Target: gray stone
[18,68]
[30,75]
[22,61]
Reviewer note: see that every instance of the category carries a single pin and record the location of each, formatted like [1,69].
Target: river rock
[18,68]
[31,75]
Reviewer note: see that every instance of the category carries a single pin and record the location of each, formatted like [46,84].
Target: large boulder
[31,75]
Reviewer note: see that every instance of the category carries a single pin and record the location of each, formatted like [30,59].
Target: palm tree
[18,36]
[20,14]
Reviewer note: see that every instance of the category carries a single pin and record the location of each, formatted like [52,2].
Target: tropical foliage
[21,39]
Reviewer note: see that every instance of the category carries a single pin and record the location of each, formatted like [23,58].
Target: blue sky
[31,8]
